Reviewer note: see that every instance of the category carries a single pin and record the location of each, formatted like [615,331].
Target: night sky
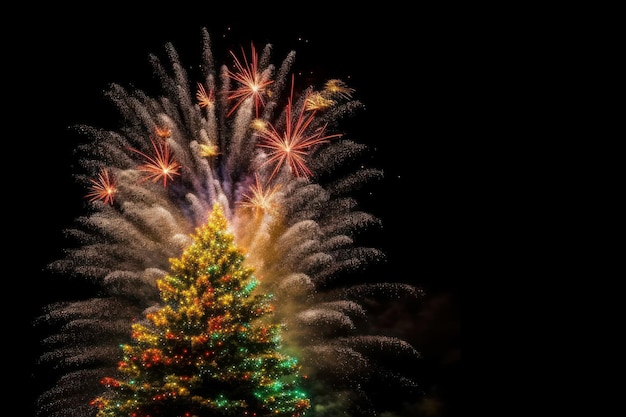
[403,65]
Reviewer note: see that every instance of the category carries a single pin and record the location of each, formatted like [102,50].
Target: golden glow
[208,150]
[259,125]
[204,99]
[163,132]
[338,87]
[316,101]
[261,201]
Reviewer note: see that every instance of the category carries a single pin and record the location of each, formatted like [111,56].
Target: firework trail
[242,136]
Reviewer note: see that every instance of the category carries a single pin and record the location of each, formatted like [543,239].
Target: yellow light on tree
[211,349]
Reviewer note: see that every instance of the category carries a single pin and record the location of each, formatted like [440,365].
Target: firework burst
[263,161]
[102,188]
[159,166]
[253,83]
[291,146]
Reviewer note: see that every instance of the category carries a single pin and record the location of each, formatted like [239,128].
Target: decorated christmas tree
[211,348]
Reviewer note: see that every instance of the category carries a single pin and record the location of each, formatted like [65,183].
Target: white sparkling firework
[303,250]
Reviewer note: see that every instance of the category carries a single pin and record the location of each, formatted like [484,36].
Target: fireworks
[159,166]
[252,82]
[291,146]
[102,188]
[243,137]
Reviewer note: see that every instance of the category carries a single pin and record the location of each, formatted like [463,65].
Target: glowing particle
[292,145]
[102,188]
[253,83]
[205,99]
[316,101]
[161,165]
[338,87]
[208,150]
[163,132]
[261,200]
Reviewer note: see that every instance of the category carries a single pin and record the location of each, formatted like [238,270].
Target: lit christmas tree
[211,349]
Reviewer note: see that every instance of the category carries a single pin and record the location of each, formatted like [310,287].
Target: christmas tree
[211,349]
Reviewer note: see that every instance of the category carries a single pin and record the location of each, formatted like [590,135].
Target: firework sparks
[163,132]
[102,188]
[208,150]
[161,165]
[338,87]
[205,99]
[261,200]
[253,82]
[307,255]
[317,101]
[291,146]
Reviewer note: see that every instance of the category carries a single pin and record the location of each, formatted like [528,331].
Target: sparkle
[316,101]
[252,82]
[205,99]
[338,87]
[259,125]
[291,146]
[208,150]
[297,233]
[163,132]
[159,166]
[261,200]
[102,188]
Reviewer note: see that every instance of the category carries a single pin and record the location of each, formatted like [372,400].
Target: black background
[405,63]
